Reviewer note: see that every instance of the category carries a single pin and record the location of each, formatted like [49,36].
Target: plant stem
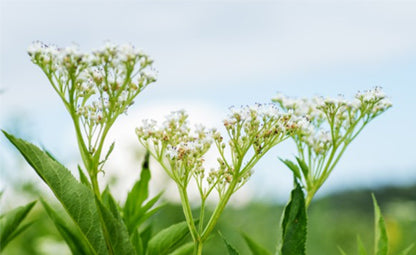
[188,213]
[218,210]
[198,248]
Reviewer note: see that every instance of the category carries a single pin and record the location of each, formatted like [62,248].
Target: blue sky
[214,54]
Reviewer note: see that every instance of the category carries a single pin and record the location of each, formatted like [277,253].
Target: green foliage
[294,224]
[292,166]
[168,239]
[10,222]
[360,247]
[184,249]
[231,250]
[77,199]
[380,233]
[255,248]
[75,241]
[134,211]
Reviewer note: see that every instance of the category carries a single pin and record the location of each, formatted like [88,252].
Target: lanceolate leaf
[303,167]
[255,248]
[167,239]
[117,231]
[294,224]
[292,166]
[76,198]
[10,222]
[407,250]
[83,178]
[231,250]
[75,240]
[360,247]
[185,249]
[381,241]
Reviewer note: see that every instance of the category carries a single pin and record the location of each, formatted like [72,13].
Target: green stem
[218,210]
[188,214]
[198,248]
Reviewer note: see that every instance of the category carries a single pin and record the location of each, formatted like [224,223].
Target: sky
[211,55]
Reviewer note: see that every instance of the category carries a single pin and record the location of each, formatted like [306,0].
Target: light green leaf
[10,222]
[407,250]
[292,166]
[117,231]
[75,240]
[294,224]
[360,247]
[255,248]
[185,249]
[231,250]
[303,166]
[167,239]
[380,234]
[76,198]
[341,251]
[83,178]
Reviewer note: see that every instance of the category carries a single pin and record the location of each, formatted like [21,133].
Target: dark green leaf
[167,239]
[109,201]
[117,231]
[231,250]
[292,166]
[76,198]
[294,224]
[10,222]
[381,240]
[75,240]
[303,167]
[360,247]
[255,248]
[185,249]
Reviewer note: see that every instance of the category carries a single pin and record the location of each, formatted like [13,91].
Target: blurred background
[211,55]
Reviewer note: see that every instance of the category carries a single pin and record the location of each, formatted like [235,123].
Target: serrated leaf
[407,250]
[10,222]
[117,231]
[167,239]
[360,247]
[76,198]
[381,241]
[292,166]
[303,166]
[75,241]
[294,224]
[185,249]
[231,250]
[255,248]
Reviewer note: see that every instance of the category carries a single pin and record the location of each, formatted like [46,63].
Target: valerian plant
[97,87]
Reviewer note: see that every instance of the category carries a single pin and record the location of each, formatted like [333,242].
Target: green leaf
[255,248]
[303,166]
[231,250]
[341,251]
[10,222]
[76,198]
[185,249]
[167,239]
[292,166]
[360,247]
[75,240]
[117,231]
[381,240]
[109,201]
[407,250]
[294,224]
[83,178]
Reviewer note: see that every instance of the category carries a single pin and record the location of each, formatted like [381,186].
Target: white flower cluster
[99,85]
[260,126]
[332,120]
[175,142]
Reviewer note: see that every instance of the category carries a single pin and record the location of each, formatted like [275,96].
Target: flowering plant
[97,87]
